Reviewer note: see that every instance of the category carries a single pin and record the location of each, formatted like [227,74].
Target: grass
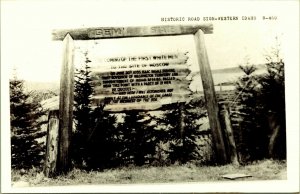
[260,170]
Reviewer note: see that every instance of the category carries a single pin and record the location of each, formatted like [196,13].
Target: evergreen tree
[139,138]
[82,113]
[95,144]
[182,131]
[103,143]
[272,99]
[25,114]
[82,98]
[252,127]
[262,131]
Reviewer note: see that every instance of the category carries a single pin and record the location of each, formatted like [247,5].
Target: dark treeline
[141,138]
[137,140]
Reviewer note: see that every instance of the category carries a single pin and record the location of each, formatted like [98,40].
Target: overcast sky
[27,46]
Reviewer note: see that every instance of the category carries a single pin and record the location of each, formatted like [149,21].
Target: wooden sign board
[144,82]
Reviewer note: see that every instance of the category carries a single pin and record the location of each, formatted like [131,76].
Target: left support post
[66,98]
[51,144]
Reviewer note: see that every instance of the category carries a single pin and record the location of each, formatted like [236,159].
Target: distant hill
[227,70]
[42,90]
[41,86]
[235,69]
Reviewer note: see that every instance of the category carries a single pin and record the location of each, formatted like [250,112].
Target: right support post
[210,98]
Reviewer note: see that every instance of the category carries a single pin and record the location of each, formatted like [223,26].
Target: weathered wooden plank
[66,105]
[171,58]
[210,98]
[228,133]
[142,105]
[51,144]
[123,32]
[177,86]
[98,72]
[132,68]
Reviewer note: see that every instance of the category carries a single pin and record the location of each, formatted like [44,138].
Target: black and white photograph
[149,96]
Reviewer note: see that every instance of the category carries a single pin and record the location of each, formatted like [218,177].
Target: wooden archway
[67,77]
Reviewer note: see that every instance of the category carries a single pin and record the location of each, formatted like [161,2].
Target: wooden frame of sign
[67,78]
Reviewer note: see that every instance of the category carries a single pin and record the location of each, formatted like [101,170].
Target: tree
[262,101]
[272,98]
[83,93]
[102,143]
[252,137]
[182,130]
[139,138]
[82,114]
[25,114]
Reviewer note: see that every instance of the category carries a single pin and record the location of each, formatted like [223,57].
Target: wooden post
[210,98]
[51,144]
[228,134]
[66,98]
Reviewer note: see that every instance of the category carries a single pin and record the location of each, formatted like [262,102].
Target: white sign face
[143,82]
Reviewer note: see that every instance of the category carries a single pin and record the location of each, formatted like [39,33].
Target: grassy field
[261,170]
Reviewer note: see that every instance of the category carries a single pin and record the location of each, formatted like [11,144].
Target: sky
[27,46]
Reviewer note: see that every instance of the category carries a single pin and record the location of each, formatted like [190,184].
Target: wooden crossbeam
[125,32]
